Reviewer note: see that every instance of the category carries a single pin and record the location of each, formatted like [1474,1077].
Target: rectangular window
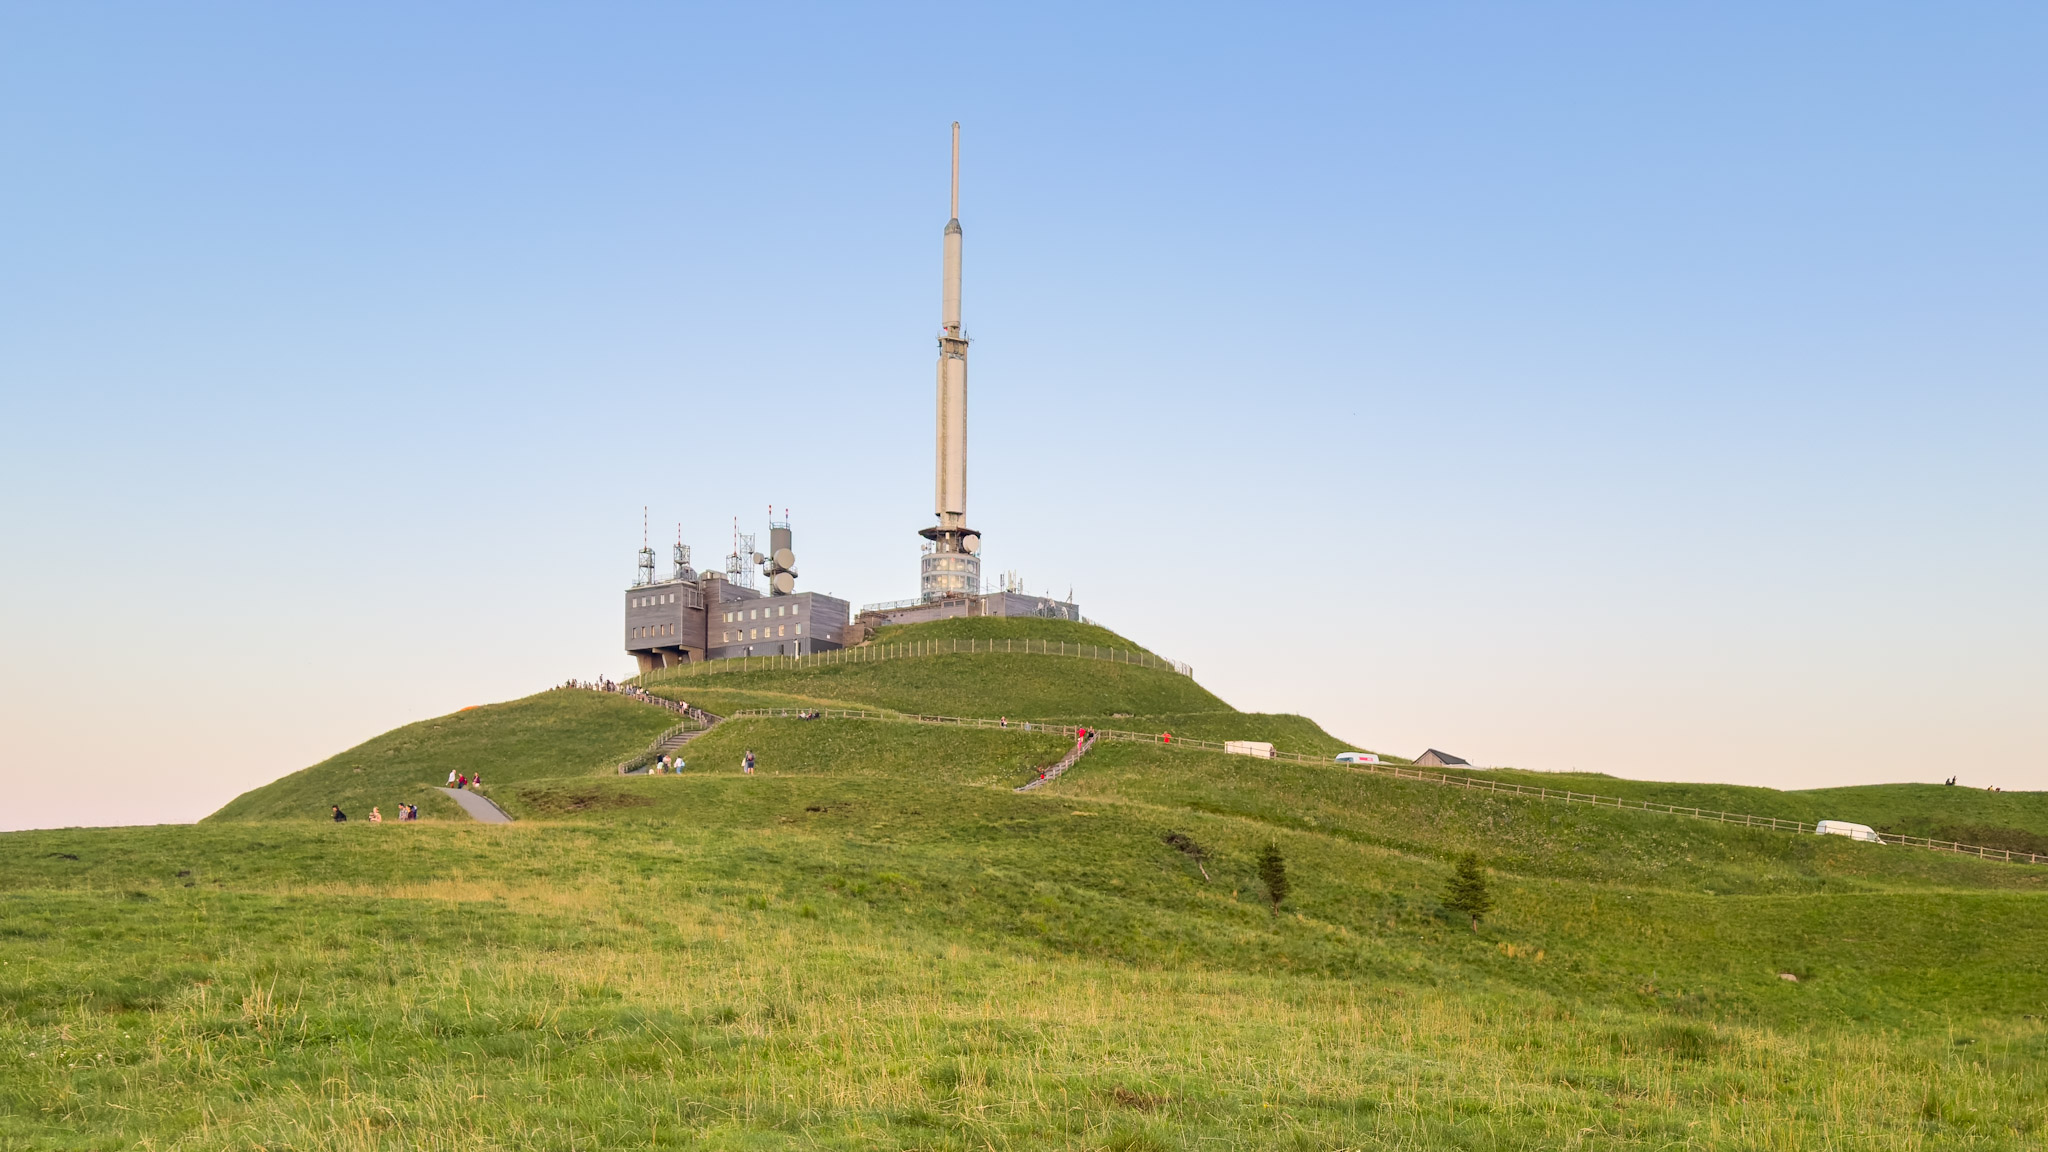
[750,633]
[799,629]
[782,631]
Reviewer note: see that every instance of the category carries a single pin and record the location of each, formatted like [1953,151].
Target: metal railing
[874,653]
[695,720]
[1402,772]
[895,605]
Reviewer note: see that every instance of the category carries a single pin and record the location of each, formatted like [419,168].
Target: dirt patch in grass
[573,801]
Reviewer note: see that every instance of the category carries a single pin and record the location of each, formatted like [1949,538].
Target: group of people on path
[406,812]
[409,812]
[665,765]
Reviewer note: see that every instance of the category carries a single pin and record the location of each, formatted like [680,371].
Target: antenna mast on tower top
[956,170]
[646,575]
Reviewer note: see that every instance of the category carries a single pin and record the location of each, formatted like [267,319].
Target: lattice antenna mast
[738,570]
[646,574]
[682,558]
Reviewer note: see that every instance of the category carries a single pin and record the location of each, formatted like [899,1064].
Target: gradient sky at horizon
[1648,390]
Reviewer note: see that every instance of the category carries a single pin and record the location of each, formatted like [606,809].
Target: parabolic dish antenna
[971,542]
[784,558]
[784,583]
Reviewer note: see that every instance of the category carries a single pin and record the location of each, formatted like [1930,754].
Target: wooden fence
[873,653]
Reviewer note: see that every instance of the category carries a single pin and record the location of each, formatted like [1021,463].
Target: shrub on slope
[1536,838]
[557,733]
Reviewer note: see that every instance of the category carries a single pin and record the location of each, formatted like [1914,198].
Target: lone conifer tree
[1273,873]
[1467,890]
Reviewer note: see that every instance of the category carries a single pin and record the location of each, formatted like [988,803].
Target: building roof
[1436,759]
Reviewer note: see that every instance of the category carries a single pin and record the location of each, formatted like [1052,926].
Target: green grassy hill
[556,733]
[875,942]
[2012,820]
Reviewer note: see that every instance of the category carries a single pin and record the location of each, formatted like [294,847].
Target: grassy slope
[874,942]
[1061,689]
[973,685]
[869,951]
[2016,820]
[1007,628]
[555,733]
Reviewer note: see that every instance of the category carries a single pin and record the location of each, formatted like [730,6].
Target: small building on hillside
[1435,759]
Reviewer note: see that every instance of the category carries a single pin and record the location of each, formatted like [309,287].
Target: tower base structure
[952,565]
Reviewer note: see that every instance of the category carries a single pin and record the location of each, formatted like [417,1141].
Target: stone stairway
[1068,761]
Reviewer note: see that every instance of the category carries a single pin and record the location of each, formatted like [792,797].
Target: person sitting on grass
[340,817]
[376,817]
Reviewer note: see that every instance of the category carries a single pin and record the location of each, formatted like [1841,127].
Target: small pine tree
[1273,873]
[1467,890]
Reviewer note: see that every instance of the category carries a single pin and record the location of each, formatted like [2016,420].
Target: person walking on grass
[340,817]
[747,763]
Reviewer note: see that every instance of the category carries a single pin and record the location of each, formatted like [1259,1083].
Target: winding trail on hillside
[1396,771]
[480,808]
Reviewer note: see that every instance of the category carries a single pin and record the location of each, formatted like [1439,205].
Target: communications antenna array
[682,559]
[738,567]
[646,574]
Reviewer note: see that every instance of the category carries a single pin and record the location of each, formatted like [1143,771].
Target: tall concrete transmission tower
[951,566]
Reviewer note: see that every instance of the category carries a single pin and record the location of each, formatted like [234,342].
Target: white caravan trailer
[1357,758]
[1844,828]
[1259,748]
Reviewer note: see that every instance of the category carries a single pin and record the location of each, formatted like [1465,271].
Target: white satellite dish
[784,583]
[971,542]
[784,558]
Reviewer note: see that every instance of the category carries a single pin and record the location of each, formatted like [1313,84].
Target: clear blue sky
[1650,389]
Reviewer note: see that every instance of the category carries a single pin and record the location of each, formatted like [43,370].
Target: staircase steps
[1053,773]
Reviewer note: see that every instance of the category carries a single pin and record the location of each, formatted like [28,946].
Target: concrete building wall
[664,624]
[776,625]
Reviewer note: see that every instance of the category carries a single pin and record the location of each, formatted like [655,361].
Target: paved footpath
[479,807]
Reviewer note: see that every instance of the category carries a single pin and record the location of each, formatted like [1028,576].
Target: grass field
[554,734]
[875,943]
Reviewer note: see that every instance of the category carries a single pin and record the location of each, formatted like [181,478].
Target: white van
[1844,828]
[1357,758]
